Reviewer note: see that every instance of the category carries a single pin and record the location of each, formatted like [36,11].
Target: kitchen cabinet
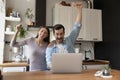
[95,64]
[14,69]
[62,15]
[91,24]
[91,29]
[99,66]
[14,66]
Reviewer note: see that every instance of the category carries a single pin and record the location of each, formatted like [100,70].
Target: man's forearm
[79,12]
[79,16]
[49,56]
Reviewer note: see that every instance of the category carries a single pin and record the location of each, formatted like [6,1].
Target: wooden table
[47,75]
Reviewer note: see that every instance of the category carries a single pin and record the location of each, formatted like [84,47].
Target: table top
[48,75]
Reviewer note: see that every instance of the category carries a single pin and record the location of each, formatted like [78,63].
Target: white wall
[2,22]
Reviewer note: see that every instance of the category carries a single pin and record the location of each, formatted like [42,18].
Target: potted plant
[107,71]
[22,33]
[29,15]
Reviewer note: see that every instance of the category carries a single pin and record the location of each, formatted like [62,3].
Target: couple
[40,50]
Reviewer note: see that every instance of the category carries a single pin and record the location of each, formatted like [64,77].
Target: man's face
[59,35]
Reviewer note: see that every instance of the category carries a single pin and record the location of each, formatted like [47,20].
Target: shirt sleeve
[20,43]
[74,33]
[49,55]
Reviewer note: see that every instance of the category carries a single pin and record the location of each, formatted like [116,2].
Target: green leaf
[22,33]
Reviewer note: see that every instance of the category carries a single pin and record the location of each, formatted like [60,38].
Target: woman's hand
[51,43]
[18,27]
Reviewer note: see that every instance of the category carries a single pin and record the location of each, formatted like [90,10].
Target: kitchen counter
[25,64]
[14,64]
[19,64]
[95,62]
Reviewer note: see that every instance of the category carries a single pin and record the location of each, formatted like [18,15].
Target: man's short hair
[57,27]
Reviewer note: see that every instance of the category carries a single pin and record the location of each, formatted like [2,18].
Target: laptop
[67,62]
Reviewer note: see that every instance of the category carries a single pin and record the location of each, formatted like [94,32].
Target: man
[61,44]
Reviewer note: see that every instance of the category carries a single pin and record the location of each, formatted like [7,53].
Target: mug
[8,29]
[77,50]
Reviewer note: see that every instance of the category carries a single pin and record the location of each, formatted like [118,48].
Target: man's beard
[59,39]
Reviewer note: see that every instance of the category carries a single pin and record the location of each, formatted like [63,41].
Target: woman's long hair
[47,39]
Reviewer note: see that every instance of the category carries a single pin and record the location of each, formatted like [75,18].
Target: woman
[37,47]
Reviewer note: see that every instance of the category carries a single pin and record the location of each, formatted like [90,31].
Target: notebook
[67,62]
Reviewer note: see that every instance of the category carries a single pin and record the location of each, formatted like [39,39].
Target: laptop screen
[67,62]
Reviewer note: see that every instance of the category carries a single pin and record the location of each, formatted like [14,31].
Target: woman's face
[43,33]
